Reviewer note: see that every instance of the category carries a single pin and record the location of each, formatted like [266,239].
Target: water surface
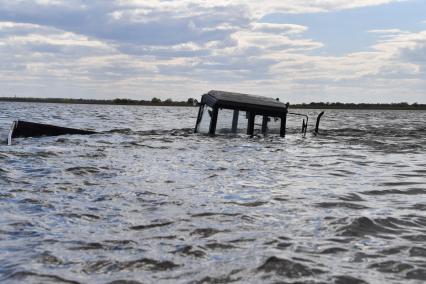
[149,201]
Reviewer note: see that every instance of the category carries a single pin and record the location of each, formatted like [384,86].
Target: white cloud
[261,7]
[387,31]
[284,29]
[134,48]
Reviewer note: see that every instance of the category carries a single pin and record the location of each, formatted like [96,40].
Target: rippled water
[146,200]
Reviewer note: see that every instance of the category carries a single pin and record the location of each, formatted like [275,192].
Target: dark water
[146,200]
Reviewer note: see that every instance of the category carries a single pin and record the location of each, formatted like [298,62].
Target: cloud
[260,8]
[283,29]
[21,37]
[134,48]
[411,48]
[416,54]
[143,21]
[387,31]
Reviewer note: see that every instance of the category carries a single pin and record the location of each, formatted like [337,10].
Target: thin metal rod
[235,121]
[250,125]
[283,125]
[304,124]
[318,122]
[264,124]
[213,122]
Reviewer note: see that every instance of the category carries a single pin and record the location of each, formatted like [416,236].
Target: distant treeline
[391,106]
[193,102]
[153,102]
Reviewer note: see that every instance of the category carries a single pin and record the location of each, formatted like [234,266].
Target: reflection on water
[146,200]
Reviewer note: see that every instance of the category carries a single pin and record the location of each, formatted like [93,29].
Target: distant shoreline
[153,102]
[363,106]
[192,102]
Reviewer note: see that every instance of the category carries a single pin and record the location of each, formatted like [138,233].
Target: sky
[371,51]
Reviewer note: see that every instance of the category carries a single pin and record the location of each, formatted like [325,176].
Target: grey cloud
[415,55]
[161,52]
[156,48]
[296,46]
[65,51]
[95,21]
[226,68]
[115,72]
[279,28]
[152,35]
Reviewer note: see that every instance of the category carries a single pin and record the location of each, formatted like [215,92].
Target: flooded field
[148,201]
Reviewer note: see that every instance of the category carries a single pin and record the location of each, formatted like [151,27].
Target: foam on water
[148,201]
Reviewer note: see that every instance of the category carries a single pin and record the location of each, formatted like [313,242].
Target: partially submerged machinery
[253,106]
[22,128]
[270,110]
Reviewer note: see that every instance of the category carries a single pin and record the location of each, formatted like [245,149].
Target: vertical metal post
[235,121]
[318,122]
[199,117]
[283,124]
[213,122]
[264,124]
[250,125]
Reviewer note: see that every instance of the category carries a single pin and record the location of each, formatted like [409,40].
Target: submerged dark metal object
[252,105]
[22,128]
[304,123]
[318,122]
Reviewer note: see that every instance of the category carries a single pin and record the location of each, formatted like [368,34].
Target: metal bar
[250,125]
[283,125]
[318,122]
[22,128]
[299,114]
[213,122]
[235,121]
[264,124]
[304,124]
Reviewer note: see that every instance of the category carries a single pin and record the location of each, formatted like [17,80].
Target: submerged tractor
[271,111]
[267,108]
